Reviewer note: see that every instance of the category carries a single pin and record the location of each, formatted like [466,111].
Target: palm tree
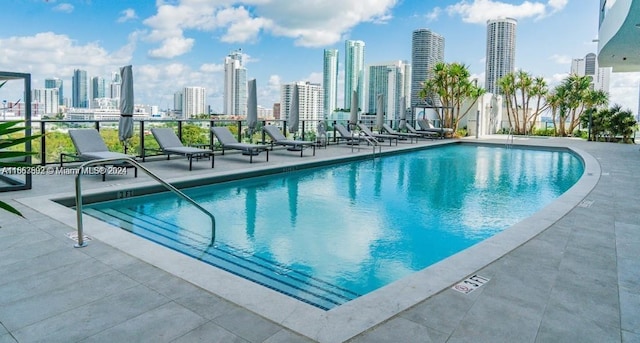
[450,86]
[520,89]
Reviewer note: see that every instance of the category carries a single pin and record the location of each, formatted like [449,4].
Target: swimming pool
[331,234]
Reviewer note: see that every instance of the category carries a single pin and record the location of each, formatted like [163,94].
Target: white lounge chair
[227,141]
[170,144]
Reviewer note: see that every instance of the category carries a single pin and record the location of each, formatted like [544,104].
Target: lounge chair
[90,146]
[425,134]
[277,138]
[405,135]
[427,125]
[227,141]
[349,136]
[170,144]
[379,136]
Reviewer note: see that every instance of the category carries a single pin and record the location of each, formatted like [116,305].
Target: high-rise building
[330,81]
[391,80]
[79,85]
[588,66]
[177,103]
[45,101]
[310,108]
[427,49]
[98,87]
[235,85]
[193,101]
[501,52]
[55,83]
[353,71]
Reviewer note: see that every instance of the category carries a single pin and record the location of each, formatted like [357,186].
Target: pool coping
[356,316]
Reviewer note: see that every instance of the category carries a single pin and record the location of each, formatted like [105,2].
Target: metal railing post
[43,145]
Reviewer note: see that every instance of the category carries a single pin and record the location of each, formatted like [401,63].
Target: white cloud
[479,11]
[66,8]
[127,15]
[561,59]
[172,47]
[624,90]
[312,24]
[434,14]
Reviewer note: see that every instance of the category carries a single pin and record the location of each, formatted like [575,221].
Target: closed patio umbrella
[403,113]
[125,124]
[252,107]
[379,112]
[294,111]
[353,118]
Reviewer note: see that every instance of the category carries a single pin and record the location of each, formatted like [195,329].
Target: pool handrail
[80,242]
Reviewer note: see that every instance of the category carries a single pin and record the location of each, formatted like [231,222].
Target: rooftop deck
[577,280]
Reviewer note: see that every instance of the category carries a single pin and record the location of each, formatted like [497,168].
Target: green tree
[450,86]
[524,97]
[572,98]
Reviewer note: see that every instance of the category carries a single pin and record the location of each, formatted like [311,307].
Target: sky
[173,44]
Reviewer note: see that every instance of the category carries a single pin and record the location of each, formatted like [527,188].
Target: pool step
[243,263]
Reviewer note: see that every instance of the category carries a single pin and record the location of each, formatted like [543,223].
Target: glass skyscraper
[353,71]
[501,52]
[330,81]
[427,49]
[79,85]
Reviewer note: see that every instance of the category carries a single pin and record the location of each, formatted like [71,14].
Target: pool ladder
[370,141]
[510,137]
[81,243]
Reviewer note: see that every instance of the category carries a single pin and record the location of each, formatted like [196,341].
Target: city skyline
[173,45]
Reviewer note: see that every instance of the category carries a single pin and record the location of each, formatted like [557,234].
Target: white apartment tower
[311,101]
[392,80]
[588,66]
[235,85]
[501,52]
[353,71]
[427,49]
[330,81]
[193,101]
[45,101]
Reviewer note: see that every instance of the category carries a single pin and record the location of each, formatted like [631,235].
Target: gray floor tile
[442,312]
[630,337]
[629,273]
[561,324]
[400,330]
[52,279]
[493,319]
[40,264]
[163,324]
[7,338]
[286,336]
[247,325]
[91,319]
[630,311]
[30,310]
[206,304]
[209,332]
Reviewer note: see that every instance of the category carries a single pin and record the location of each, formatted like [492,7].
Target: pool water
[328,235]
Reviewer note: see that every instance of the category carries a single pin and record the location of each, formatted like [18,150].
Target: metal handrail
[133,162]
[370,140]
[510,137]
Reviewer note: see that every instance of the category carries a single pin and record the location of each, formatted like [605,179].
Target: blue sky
[178,43]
